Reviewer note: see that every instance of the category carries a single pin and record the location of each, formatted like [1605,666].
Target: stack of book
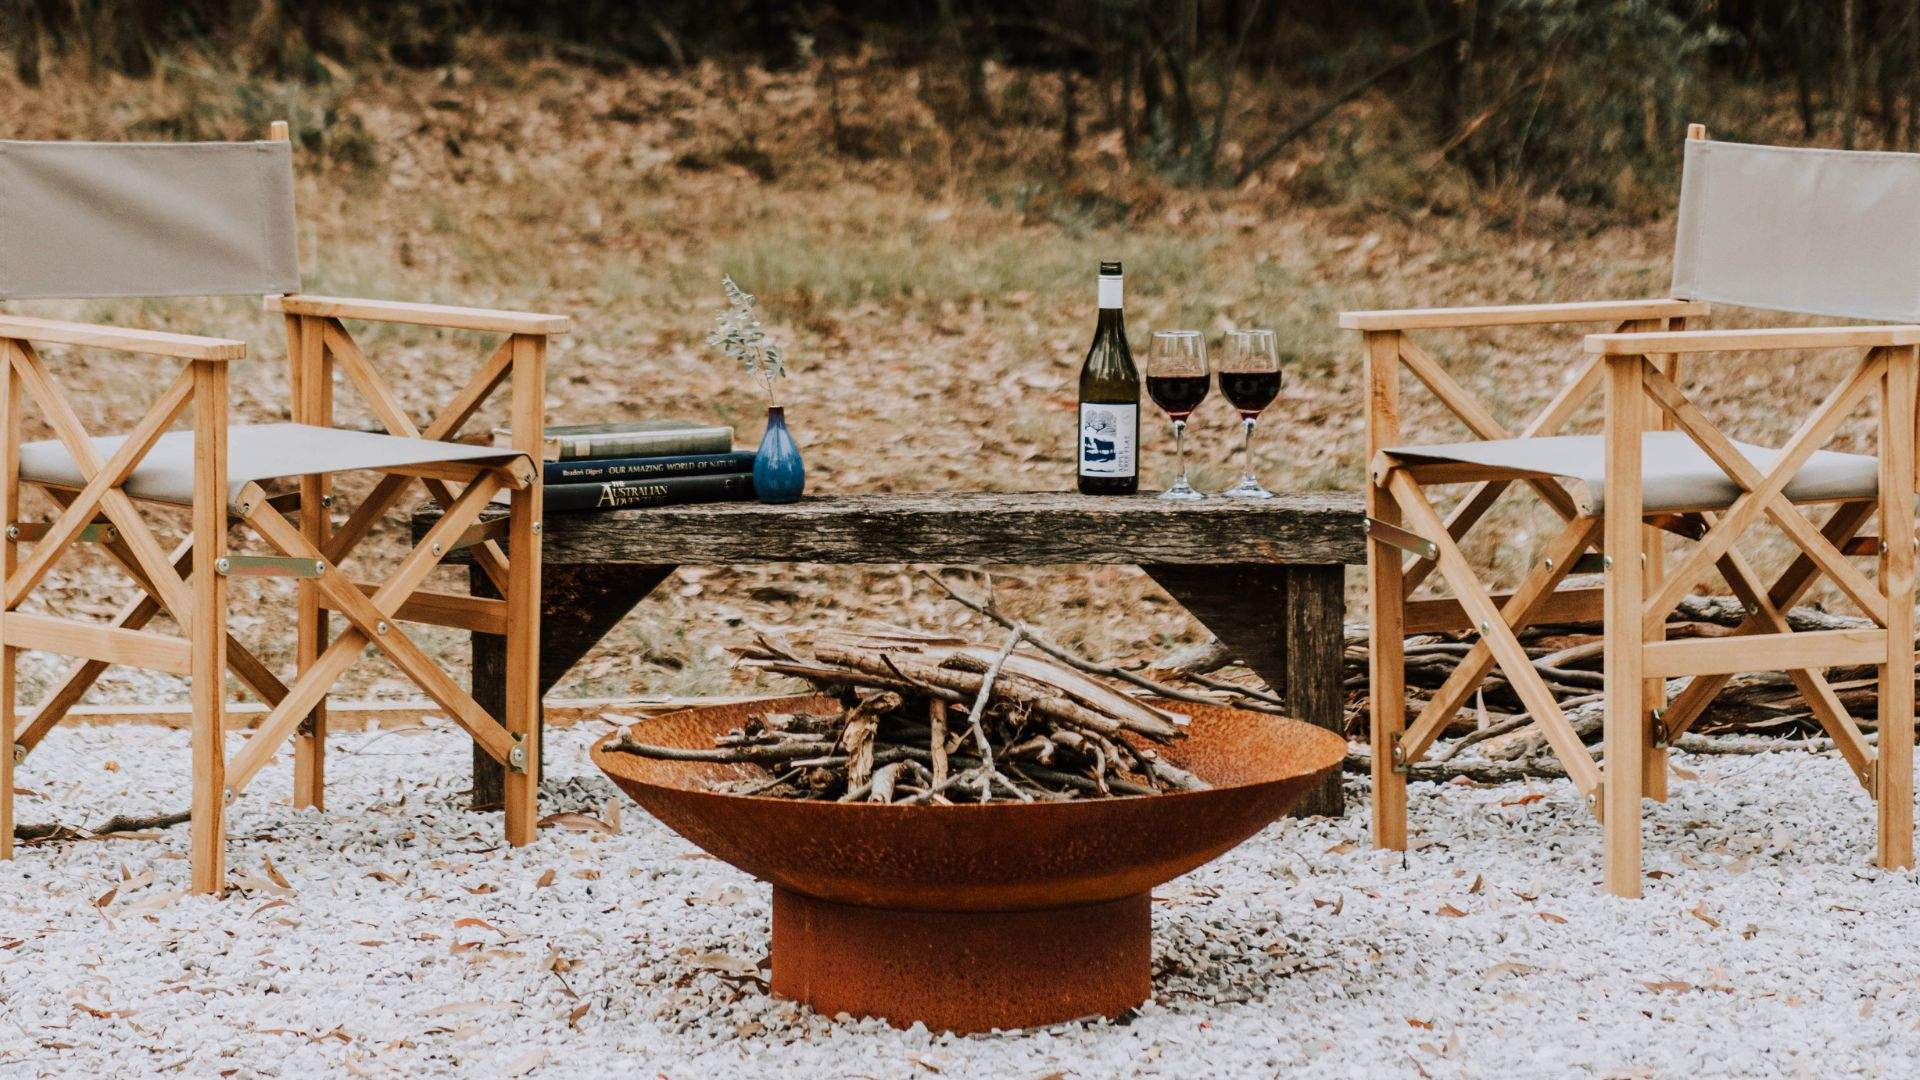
[643,463]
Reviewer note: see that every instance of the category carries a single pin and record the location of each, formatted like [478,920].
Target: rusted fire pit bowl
[969,918]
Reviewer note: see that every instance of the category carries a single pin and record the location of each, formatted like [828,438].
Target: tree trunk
[1849,70]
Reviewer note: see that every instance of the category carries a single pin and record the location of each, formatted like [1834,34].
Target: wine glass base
[1181,491]
[1247,488]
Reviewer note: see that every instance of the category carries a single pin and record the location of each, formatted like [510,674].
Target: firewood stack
[930,719]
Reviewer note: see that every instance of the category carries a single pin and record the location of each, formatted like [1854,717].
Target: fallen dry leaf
[1699,911]
[155,901]
[577,822]
[459,924]
[545,879]
[1424,1025]
[1523,800]
[732,965]
[1508,968]
[1669,986]
[1450,911]
[1551,917]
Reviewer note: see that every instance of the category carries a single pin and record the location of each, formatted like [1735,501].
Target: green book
[632,438]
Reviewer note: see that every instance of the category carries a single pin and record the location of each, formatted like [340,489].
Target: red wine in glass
[1177,382]
[1178,395]
[1250,378]
[1249,391]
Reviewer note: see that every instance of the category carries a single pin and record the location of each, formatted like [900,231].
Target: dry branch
[927,718]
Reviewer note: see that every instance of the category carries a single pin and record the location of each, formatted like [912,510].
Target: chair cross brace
[1480,498]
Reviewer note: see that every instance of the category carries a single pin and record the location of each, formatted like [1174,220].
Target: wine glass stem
[1246,426]
[1180,450]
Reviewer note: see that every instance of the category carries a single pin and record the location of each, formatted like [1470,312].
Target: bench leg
[579,606]
[1283,622]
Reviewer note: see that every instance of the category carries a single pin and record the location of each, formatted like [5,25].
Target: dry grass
[934,283]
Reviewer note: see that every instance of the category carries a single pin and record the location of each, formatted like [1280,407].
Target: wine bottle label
[1111,290]
[1107,434]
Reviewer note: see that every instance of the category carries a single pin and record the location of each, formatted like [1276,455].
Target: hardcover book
[632,438]
[619,494]
[585,470]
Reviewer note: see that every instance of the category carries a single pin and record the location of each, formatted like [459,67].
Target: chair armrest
[1520,314]
[1762,339]
[146,342]
[437,315]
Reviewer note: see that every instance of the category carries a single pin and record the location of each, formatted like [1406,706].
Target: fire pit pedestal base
[963,971]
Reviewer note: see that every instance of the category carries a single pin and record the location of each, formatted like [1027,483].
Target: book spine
[619,494]
[645,443]
[600,470]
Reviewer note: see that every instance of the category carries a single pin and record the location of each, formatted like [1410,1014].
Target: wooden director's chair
[106,220]
[1815,232]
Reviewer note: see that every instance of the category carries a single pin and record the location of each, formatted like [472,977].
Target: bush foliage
[1578,100]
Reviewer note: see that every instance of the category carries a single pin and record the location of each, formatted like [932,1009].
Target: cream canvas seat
[1675,474]
[256,453]
[1659,498]
[87,220]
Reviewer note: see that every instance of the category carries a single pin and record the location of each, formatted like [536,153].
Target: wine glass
[1177,382]
[1250,378]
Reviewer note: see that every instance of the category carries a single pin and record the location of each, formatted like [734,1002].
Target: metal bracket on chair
[97,533]
[268,566]
[1410,542]
[517,757]
[479,533]
[1658,723]
[19,753]
[1400,765]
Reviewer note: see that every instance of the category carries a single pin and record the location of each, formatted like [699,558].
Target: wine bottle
[1109,453]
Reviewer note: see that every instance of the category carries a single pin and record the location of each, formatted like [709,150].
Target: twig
[980,707]
[118,823]
[1074,660]
[1486,772]
[1507,726]
[937,738]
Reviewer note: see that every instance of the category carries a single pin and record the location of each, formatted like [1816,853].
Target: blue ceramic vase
[779,476]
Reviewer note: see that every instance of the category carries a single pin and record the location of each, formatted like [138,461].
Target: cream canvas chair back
[84,220]
[1816,232]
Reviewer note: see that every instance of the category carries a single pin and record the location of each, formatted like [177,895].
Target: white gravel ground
[408,941]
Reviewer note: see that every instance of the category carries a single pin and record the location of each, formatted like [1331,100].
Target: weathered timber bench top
[1265,577]
[1040,528]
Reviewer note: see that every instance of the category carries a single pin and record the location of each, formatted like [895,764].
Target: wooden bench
[1266,578]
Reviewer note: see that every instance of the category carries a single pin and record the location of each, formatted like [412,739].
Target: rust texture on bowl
[998,857]
[1081,868]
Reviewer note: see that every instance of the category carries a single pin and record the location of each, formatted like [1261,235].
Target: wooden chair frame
[1636,370]
[310,546]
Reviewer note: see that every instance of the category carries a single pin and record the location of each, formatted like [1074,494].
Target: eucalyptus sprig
[738,333]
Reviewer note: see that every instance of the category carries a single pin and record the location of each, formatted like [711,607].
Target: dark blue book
[592,470]
[619,494]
